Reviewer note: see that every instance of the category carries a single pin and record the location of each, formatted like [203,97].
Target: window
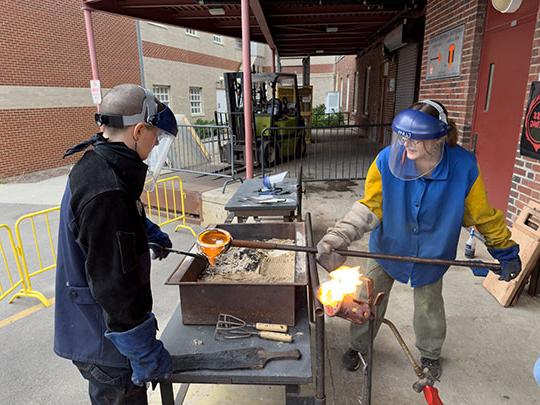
[348,92]
[366,90]
[195,100]
[162,93]
[191,32]
[355,92]
[218,39]
[341,93]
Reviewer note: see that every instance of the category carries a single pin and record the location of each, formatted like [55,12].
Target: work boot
[351,360]
[433,365]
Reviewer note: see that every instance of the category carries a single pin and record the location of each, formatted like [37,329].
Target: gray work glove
[358,221]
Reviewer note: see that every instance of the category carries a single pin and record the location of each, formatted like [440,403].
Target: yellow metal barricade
[8,281]
[23,253]
[163,206]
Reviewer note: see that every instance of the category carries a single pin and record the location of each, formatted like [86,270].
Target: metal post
[246,68]
[90,39]
[141,55]
[278,63]
[91,43]
[273,61]
[305,70]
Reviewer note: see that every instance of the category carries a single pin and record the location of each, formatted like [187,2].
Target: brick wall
[346,67]
[43,43]
[457,94]
[526,178]
[36,139]
[377,83]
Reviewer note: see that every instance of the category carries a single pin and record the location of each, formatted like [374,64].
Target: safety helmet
[417,141]
[153,113]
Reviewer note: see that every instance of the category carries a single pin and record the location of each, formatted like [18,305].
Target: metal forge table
[184,339]
[242,205]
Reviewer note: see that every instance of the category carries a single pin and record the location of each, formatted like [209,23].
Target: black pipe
[320,396]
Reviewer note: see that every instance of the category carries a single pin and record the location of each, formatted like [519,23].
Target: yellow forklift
[270,147]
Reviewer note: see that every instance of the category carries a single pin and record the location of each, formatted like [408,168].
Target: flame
[343,281]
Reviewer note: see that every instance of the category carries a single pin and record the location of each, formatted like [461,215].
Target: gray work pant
[429,316]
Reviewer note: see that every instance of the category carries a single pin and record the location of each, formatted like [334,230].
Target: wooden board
[526,233]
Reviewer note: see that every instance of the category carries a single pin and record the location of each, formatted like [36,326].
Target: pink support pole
[273,61]
[90,39]
[248,110]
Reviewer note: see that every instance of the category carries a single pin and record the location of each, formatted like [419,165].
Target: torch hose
[254,244]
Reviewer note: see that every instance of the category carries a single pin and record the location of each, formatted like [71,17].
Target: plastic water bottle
[470,245]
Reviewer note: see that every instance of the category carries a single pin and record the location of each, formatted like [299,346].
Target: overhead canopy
[294,28]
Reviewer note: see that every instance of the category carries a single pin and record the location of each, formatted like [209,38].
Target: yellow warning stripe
[23,314]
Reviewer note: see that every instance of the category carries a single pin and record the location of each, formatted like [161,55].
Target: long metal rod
[253,244]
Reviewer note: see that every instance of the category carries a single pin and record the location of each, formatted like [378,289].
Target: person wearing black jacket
[103,314]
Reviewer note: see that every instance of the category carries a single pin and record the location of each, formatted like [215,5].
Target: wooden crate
[525,232]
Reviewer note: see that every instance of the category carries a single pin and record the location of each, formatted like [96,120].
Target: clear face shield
[157,158]
[168,128]
[411,159]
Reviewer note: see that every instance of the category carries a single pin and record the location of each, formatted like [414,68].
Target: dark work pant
[111,385]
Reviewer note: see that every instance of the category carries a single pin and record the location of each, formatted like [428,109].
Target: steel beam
[259,15]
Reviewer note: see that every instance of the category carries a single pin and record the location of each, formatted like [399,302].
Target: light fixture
[216,11]
[506,6]
[319,51]
[331,29]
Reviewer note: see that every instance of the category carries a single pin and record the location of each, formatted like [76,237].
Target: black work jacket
[103,267]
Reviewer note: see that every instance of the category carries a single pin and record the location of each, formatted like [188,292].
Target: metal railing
[165,204]
[45,261]
[333,119]
[333,153]
[8,251]
[204,149]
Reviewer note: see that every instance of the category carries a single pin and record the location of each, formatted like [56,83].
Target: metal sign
[444,54]
[530,135]
[95,88]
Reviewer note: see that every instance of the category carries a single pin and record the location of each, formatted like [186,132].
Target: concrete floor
[488,355]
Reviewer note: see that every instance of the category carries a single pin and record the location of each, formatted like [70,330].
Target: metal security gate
[406,77]
[334,153]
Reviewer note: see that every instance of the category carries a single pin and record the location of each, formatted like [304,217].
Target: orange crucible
[213,242]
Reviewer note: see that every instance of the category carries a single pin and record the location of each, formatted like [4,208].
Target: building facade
[480,63]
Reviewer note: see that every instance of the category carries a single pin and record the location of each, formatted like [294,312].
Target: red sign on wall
[530,135]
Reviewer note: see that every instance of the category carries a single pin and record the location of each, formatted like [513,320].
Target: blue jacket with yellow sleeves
[423,217]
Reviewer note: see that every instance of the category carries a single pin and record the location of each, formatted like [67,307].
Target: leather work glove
[148,357]
[358,220]
[509,260]
[158,252]
[158,240]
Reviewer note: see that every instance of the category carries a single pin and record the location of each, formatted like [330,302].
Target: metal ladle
[214,242]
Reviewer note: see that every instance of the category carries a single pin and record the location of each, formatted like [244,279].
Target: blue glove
[537,371]
[148,357]
[158,238]
[479,271]
[509,260]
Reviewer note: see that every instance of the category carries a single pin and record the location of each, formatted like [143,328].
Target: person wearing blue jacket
[103,314]
[418,194]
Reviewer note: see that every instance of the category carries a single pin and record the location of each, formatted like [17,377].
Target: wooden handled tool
[254,358]
[271,327]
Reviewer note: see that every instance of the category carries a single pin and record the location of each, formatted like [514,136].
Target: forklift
[270,147]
